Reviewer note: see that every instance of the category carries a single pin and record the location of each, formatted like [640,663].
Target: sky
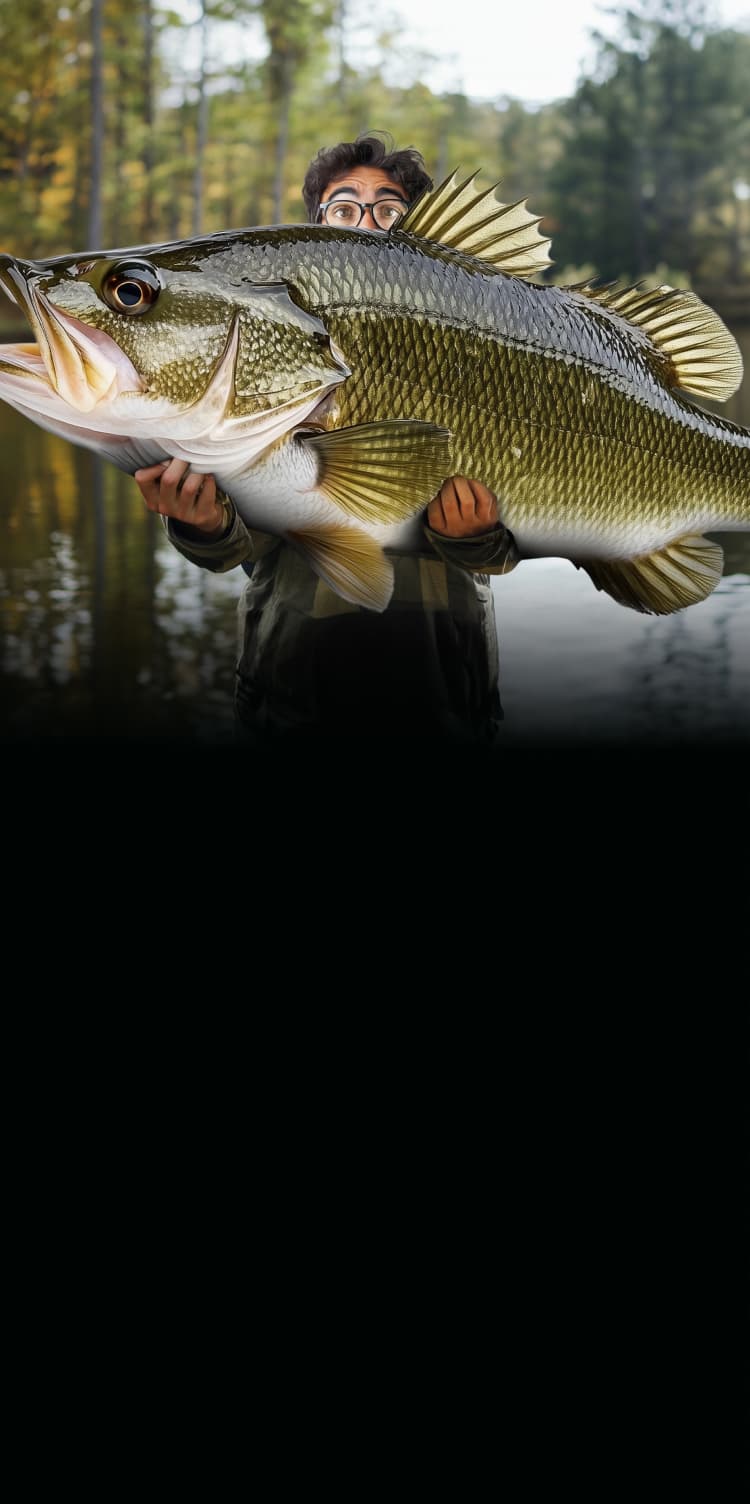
[531,50]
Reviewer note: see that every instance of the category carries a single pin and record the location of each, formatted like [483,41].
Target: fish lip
[84,366]
[15,285]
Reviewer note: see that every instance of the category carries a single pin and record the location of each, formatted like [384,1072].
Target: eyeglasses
[347,213]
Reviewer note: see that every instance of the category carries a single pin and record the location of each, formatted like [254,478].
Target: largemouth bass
[332,379]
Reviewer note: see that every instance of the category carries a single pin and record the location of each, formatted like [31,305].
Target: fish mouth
[80,364]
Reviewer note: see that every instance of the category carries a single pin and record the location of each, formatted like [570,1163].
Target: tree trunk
[118,214]
[640,253]
[97,126]
[341,47]
[282,137]
[202,129]
[147,207]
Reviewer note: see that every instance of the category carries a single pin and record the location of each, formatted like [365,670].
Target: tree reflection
[106,631]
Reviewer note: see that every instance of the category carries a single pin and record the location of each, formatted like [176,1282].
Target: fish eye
[131,287]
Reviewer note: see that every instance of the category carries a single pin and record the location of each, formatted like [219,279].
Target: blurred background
[132,121]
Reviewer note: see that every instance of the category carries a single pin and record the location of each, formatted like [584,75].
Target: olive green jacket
[430,661]
[490,553]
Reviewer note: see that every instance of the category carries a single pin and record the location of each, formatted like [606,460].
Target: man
[310,663]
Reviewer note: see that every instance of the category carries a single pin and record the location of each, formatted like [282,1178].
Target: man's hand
[190,499]
[463,508]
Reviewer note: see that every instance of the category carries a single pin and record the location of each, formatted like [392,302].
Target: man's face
[364,185]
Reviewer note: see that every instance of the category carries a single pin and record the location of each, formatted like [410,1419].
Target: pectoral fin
[381,472]
[683,573]
[351,562]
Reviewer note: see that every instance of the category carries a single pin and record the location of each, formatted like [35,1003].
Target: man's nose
[367,222]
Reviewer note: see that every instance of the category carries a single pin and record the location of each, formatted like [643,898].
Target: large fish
[331,379]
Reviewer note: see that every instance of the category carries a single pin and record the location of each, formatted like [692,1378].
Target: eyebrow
[383,191]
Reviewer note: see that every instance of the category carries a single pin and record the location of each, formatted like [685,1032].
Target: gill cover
[283,350]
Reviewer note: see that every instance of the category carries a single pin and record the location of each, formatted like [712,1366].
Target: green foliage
[643,166]
[652,147]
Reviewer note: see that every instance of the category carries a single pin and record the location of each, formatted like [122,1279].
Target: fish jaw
[134,430]
[82,365]
[25,386]
[76,382]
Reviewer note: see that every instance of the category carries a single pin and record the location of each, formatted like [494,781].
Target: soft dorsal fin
[456,215]
[705,358]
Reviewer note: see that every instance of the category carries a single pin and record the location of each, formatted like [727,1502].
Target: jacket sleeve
[236,545]
[494,552]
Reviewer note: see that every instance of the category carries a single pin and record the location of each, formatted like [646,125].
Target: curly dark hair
[405,167]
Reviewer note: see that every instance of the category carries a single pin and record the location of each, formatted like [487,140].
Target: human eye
[343,213]
[390,214]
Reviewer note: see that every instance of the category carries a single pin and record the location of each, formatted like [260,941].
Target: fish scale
[512,398]
[574,405]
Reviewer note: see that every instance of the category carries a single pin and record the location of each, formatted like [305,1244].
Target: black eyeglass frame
[395,198]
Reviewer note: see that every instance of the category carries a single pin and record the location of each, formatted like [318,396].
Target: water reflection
[578,669]
[106,632]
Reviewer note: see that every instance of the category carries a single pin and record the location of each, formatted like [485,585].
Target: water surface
[106,632]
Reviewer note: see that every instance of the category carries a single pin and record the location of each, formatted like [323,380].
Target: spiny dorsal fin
[381,472]
[505,235]
[350,561]
[681,574]
[704,356]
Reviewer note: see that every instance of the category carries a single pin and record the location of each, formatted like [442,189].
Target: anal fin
[678,575]
[350,561]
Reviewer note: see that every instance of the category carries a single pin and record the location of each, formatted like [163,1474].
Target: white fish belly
[277,494]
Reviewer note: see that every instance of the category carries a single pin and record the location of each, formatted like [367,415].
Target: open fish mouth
[81,365]
[70,378]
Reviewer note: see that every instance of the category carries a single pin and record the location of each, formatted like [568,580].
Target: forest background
[126,122]
[108,138]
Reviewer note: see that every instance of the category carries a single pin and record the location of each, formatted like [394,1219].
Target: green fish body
[331,379]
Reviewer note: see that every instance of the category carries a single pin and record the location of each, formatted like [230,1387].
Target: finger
[477,503]
[175,471]
[147,481]
[450,505]
[464,493]
[207,499]
[486,506]
[150,492]
[160,485]
[435,516]
[170,486]
[480,492]
[151,472]
[196,503]
[191,486]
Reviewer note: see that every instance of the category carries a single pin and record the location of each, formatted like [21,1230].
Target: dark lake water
[106,630]
[107,633]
